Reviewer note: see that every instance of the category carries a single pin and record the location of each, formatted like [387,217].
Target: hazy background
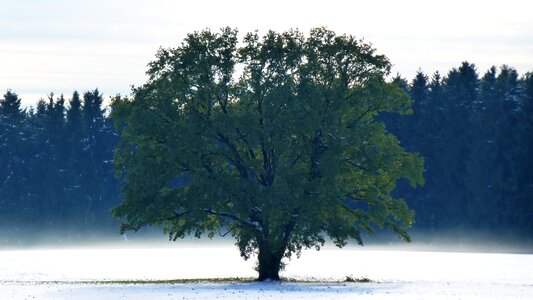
[65,45]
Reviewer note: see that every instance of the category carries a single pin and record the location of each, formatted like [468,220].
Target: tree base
[268,278]
[269,266]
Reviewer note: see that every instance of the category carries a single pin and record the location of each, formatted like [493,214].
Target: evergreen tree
[506,141]
[75,157]
[12,148]
[57,155]
[417,138]
[522,206]
[482,176]
[433,215]
[419,93]
[99,185]
[461,96]
[93,119]
[39,189]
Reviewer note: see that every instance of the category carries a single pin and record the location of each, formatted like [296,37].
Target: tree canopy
[273,140]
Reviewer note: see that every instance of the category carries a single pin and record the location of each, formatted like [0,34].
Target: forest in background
[474,131]
[57,172]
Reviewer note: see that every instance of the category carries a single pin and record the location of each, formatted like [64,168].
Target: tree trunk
[271,253]
[269,263]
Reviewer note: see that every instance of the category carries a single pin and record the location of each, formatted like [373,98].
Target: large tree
[274,140]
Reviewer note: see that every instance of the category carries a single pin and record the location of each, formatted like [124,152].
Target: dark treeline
[56,165]
[476,136]
[475,133]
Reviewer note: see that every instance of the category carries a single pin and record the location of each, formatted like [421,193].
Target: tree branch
[364,114]
[237,157]
[357,165]
[253,225]
[243,138]
[296,159]
[176,215]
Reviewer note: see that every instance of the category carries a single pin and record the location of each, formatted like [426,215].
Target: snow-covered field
[81,274]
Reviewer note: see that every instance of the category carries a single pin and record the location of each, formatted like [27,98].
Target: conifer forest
[474,129]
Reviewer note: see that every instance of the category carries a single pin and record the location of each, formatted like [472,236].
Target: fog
[469,242]
[70,265]
[438,241]
[223,261]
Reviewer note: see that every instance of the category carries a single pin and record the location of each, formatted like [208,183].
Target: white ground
[72,273]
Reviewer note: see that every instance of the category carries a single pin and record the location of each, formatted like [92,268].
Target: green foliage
[275,140]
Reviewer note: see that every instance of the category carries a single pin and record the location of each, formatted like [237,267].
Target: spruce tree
[75,162]
[483,177]
[12,148]
[461,96]
[506,140]
[432,214]
[523,203]
[413,135]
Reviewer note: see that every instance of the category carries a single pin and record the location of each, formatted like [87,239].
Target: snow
[82,274]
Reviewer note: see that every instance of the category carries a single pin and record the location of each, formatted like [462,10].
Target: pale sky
[65,45]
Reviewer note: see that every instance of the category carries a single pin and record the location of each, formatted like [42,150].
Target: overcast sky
[65,45]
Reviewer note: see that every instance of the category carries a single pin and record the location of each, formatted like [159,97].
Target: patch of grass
[226,280]
[325,281]
[148,281]
[177,281]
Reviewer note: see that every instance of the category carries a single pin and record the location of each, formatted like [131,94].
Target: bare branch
[223,235]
